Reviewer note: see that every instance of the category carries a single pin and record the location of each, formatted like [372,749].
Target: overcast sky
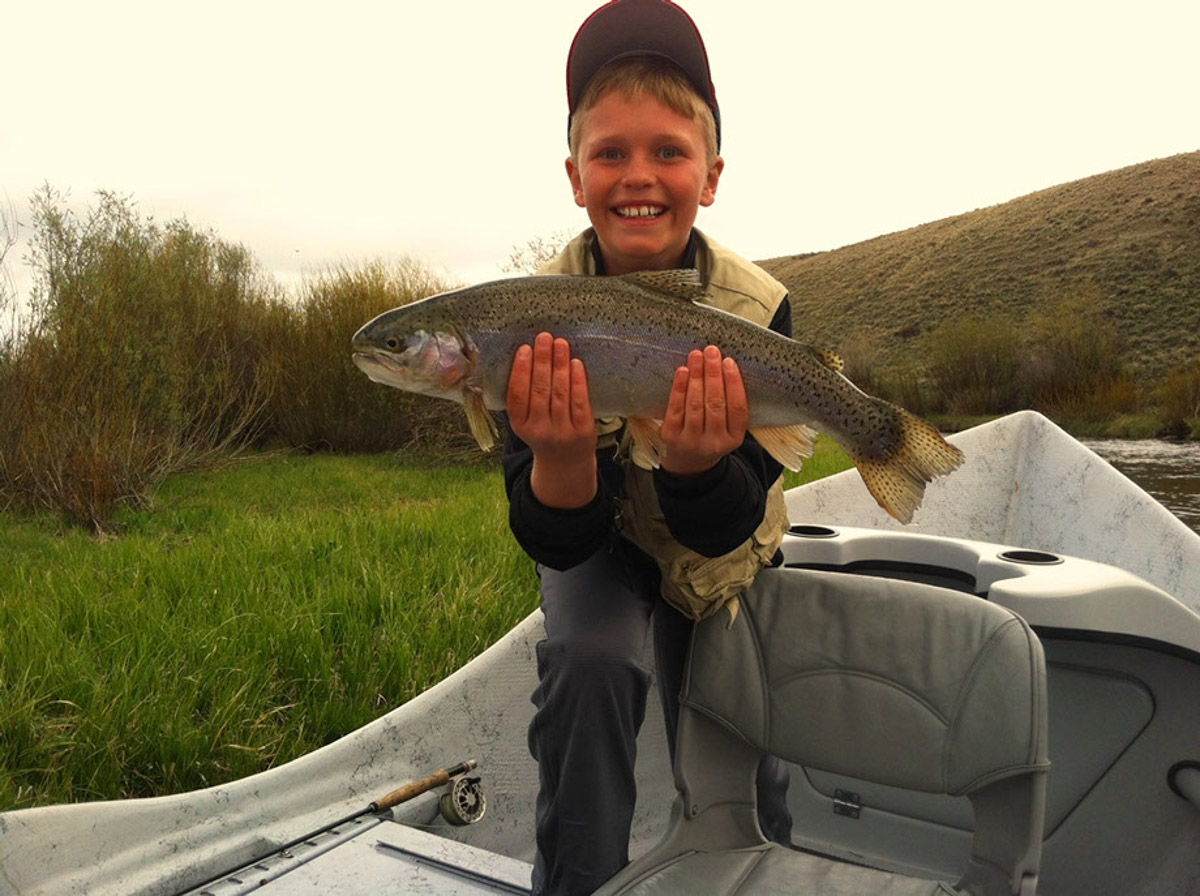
[324,133]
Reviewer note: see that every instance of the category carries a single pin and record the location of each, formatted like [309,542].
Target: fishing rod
[466,806]
[464,803]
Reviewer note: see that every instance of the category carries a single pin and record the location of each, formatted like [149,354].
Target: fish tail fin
[789,445]
[898,481]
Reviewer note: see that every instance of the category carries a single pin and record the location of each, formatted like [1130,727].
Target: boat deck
[379,856]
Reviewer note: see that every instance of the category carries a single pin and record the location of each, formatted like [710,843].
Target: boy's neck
[688,260]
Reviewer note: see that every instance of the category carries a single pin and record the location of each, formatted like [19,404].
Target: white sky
[350,130]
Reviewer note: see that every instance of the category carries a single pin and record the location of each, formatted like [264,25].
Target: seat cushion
[818,660]
[773,869]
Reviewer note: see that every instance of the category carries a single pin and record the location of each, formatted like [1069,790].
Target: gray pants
[591,700]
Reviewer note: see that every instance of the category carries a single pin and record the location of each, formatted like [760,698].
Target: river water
[1170,471]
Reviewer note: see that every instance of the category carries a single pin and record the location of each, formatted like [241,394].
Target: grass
[253,614]
[249,615]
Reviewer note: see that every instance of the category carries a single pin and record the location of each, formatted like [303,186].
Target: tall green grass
[250,615]
[254,614]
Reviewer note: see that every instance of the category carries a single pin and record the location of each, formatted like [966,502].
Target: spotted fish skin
[632,333]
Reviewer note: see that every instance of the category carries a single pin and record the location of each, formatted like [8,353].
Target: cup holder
[1031,558]
[812,531]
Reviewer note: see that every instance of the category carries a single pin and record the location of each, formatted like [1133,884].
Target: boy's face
[642,172]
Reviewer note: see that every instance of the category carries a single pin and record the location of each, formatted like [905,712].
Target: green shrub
[1075,353]
[140,357]
[1179,398]
[974,365]
[326,403]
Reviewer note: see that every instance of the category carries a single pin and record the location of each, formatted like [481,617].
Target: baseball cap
[623,28]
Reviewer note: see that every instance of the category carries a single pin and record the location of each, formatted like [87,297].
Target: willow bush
[323,401]
[975,365]
[140,355]
[1180,401]
[1075,366]
[152,348]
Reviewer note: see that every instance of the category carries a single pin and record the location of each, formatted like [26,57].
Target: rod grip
[416,788]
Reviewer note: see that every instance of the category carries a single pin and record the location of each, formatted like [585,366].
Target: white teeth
[640,211]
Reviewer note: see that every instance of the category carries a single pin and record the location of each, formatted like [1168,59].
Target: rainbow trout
[631,333]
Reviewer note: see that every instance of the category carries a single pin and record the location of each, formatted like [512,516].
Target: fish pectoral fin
[647,449]
[789,445]
[480,420]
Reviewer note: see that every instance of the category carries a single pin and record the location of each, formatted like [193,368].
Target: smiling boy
[642,170]
[618,546]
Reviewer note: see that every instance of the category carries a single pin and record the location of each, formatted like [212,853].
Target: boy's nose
[639,172]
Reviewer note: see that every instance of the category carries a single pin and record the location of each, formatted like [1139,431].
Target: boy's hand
[548,408]
[707,413]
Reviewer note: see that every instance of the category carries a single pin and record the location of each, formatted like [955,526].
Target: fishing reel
[464,802]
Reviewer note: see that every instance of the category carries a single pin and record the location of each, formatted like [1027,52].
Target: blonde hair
[653,76]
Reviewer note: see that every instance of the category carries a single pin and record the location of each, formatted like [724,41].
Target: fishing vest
[696,585]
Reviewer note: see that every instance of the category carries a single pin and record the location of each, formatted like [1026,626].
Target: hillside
[1131,237]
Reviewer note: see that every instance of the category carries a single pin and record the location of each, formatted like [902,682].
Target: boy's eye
[610,155]
[669,152]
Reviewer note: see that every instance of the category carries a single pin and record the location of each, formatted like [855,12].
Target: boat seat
[890,681]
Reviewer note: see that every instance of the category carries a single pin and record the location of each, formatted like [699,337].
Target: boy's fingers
[677,400]
[581,406]
[714,389]
[560,380]
[540,378]
[737,404]
[517,398]
[694,405]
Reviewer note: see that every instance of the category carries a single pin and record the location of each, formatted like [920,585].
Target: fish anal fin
[480,420]
[789,445]
[897,482]
[647,448]
[680,283]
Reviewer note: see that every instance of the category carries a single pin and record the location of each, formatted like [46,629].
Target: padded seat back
[889,681]
[878,679]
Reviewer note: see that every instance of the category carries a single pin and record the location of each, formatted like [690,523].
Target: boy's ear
[709,194]
[576,183]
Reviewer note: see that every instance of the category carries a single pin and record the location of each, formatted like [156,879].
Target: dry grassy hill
[1130,238]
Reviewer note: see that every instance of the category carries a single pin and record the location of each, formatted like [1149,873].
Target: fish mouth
[378,367]
[644,210]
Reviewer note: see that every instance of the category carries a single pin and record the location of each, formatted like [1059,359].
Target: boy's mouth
[640,211]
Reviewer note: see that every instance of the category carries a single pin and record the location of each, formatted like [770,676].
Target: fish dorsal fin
[680,283]
[827,358]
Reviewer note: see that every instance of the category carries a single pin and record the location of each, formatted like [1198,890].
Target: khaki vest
[696,585]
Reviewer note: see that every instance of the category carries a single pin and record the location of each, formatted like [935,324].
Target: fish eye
[392,343]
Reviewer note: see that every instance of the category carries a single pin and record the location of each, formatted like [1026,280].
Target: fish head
[419,357]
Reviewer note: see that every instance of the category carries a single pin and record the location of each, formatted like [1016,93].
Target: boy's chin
[642,255]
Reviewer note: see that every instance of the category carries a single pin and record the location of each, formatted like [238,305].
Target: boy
[612,540]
